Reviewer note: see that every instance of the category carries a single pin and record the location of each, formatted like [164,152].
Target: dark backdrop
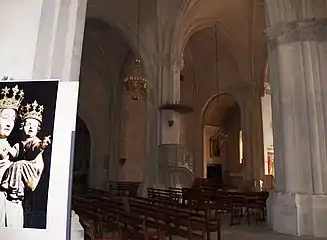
[45,93]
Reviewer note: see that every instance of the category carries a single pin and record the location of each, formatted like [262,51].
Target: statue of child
[27,150]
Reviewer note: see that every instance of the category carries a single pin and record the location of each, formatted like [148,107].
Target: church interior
[181,116]
[196,119]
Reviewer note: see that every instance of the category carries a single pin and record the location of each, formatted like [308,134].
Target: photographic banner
[37,124]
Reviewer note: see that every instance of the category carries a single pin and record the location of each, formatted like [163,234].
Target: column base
[298,214]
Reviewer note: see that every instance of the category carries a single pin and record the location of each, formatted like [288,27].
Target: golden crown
[33,110]
[14,101]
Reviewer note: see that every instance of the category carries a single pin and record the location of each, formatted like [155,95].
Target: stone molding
[170,60]
[308,30]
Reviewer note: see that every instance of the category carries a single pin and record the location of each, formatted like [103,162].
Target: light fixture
[219,138]
[219,135]
[136,83]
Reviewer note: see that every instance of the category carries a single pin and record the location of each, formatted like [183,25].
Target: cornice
[298,31]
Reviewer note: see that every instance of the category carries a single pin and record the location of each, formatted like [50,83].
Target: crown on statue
[33,110]
[11,100]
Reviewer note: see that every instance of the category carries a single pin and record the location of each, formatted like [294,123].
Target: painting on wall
[216,142]
[214,146]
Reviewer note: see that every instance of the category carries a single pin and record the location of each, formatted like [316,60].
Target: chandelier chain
[138,24]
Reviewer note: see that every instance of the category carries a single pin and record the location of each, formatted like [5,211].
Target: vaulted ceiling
[167,25]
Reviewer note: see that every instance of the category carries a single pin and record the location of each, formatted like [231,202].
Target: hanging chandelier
[220,135]
[136,83]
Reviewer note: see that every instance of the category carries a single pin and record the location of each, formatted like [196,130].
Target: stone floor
[254,232]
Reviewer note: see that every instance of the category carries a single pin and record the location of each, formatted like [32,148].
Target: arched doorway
[222,141]
[81,154]
[206,71]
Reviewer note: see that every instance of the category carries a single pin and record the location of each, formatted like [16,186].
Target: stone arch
[88,123]
[82,153]
[101,24]
[129,35]
[222,115]
[234,97]
[191,91]
[180,39]
[83,114]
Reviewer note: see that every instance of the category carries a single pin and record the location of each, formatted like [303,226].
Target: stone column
[170,120]
[170,67]
[297,32]
[41,39]
[151,169]
[256,141]
[115,90]
[251,119]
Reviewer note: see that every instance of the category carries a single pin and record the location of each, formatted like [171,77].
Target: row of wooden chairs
[99,214]
[236,204]
[124,188]
[142,218]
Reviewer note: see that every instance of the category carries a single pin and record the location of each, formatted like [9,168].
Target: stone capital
[297,31]
[165,59]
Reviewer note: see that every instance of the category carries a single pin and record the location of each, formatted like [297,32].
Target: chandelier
[136,83]
[220,136]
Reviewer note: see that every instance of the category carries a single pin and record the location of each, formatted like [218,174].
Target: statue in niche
[216,141]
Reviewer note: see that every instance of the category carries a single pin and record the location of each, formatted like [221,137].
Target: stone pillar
[251,118]
[297,32]
[170,120]
[255,142]
[170,93]
[115,91]
[151,169]
[42,39]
